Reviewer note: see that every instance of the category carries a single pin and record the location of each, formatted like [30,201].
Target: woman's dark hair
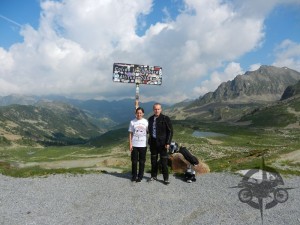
[139,108]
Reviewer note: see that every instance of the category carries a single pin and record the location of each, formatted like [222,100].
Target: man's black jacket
[164,130]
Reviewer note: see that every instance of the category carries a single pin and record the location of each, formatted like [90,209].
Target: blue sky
[68,47]
[13,14]
[282,23]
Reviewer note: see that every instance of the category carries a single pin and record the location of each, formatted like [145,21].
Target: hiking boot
[138,180]
[152,179]
[133,179]
[189,181]
[166,182]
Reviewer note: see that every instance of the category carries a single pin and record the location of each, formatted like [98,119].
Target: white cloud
[8,88]
[77,42]
[288,54]
[6,62]
[230,72]
[254,66]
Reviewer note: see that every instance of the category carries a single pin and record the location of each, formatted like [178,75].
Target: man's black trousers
[160,150]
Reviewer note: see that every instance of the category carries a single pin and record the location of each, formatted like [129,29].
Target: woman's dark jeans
[138,154]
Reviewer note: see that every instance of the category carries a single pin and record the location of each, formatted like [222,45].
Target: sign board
[138,74]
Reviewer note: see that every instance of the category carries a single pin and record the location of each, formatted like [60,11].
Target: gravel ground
[111,198]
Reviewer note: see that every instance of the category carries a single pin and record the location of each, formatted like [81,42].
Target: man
[160,137]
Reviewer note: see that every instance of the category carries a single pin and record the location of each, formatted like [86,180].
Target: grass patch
[241,148]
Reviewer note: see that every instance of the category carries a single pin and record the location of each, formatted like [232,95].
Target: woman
[138,128]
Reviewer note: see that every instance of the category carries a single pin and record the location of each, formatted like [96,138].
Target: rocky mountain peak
[265,84]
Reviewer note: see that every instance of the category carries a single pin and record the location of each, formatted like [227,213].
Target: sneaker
[138,180]
[189,181]
[167,182]
[152,179]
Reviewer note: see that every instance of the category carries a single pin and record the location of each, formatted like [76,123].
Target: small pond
[207,134]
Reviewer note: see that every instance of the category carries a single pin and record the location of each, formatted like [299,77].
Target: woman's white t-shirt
[139,130]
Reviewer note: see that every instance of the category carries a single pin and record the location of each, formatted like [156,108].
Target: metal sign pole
[137,97]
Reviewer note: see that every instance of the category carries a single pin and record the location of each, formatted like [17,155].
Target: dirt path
[292,156]
[99,164]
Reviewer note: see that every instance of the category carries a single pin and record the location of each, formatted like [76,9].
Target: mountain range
[240,96]
[103,113]
[57,120]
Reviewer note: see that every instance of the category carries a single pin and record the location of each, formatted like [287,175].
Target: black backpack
[188,156]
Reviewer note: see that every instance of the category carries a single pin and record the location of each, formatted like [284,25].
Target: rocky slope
[291,91]
[266,84]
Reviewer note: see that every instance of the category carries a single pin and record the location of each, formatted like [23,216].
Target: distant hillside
[105,114]
[285,113]
[18,99]
[234,99]
[116,112]
[47,123]
[56,120]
